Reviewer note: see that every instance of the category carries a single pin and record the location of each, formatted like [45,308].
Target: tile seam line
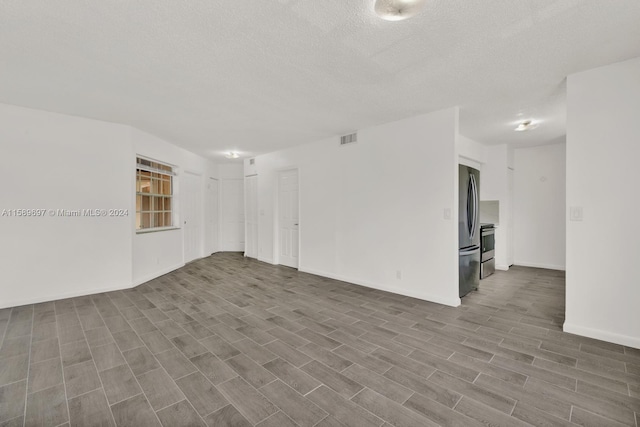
[93,361]
[155,413]
[26,397]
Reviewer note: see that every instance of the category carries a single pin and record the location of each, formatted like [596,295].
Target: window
[154,195]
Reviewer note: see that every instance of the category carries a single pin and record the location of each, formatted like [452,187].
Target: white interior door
[191,190]
[288,218]
[251,215]
[211,222]
[232,215]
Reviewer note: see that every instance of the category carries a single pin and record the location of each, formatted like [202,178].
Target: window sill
[156,230]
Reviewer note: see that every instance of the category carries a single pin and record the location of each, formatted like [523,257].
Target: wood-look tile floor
[229,341]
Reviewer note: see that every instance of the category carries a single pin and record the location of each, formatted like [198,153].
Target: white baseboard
[602,335]
[56,297]
[502,267]
[536,265]
[267,260]
[454,302]
[144,279]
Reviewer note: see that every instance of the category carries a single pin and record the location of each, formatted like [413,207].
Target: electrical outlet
[575,213]
[447,213]
[398,274]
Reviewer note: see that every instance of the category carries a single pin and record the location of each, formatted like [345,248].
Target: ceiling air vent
[252,161]
[349,139]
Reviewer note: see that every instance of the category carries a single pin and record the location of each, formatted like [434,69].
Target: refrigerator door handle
[476,215]
[469,251]
[469,210]
[474,212]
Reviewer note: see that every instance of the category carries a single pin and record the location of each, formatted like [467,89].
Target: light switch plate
[575,213]
[447,213]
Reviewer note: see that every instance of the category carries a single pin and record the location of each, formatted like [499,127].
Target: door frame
[276,217]
[215,246]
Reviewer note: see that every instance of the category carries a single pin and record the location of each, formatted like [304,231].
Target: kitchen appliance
[487,250]
[468,229]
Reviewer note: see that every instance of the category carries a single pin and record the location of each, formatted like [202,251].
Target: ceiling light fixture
[232,155]
[398,10]
[526,125]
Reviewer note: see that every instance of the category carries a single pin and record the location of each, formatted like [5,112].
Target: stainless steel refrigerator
[469,229]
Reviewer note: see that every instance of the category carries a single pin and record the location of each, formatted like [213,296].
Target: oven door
[487,268]
[488,243]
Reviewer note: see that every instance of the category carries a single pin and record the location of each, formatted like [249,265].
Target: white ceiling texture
[260,75]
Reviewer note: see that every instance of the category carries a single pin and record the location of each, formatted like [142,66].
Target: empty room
[314,213]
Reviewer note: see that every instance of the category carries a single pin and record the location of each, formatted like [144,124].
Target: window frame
[160,177]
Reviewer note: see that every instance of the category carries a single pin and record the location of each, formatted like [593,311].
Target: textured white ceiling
[260,75]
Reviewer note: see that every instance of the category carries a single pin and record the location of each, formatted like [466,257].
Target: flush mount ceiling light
[526,125]
[397,10]
[232,155]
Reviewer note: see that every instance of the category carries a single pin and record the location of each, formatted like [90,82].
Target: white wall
[471,153]
[231,170]
[603,278]
[375,208]
[52,161]
[212,214]
[539,206]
